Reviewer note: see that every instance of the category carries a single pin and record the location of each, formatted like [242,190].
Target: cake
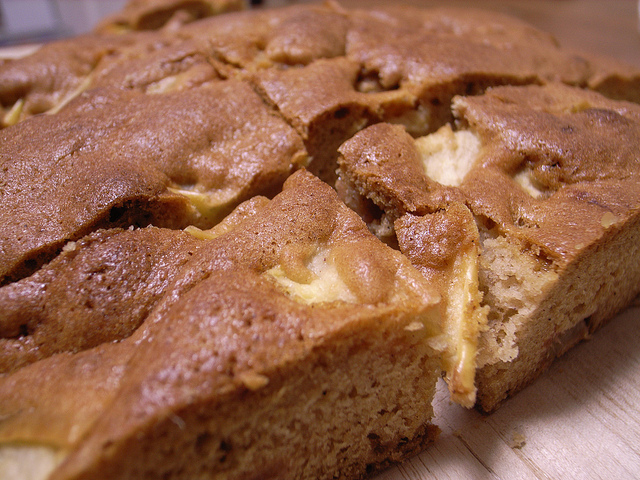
[275,360]
[246,245]
[555,207]
[127,158]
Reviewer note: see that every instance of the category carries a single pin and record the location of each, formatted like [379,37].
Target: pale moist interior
[351,404]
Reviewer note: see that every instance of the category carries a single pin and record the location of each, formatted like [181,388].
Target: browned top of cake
[432,54]
[46,78]
[264,279]
[174,128]
[429,55]
[540,166]
[98,290]
[577,150]
[274,79]
[420,49]
[117,157]
[547,170]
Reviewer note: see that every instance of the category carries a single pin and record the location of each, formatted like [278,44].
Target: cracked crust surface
[127,158]
[156,14]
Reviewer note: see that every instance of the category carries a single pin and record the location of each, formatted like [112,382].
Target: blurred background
[23,21]
[608,27]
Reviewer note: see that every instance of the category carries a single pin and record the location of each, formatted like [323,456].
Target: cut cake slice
[556,205]
[295,345]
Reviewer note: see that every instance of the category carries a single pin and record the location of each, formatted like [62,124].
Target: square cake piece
[556,206]
[295,345]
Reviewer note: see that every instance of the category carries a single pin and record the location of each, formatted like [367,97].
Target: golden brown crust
[434,55]
[291,302]
[99,290]
[445,52]
[321,101]
[384,165]
[48,76]
[561,138]
[416,65]
[124,158]
[447,44]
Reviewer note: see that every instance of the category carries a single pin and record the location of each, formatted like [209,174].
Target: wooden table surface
[580,420]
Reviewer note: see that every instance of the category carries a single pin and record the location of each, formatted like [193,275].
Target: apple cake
[292,343]
[526,200]
[245,245]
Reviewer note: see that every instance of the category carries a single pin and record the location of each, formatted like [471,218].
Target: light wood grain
[580,420]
